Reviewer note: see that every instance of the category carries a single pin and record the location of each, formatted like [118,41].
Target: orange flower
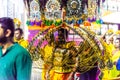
[87,23]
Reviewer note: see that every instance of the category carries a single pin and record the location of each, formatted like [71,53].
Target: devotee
[63,60]
[46,54]
[114,73]
[15,61]
[18,37]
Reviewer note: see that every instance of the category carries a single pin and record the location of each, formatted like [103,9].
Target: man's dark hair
[19,29]
[7,23]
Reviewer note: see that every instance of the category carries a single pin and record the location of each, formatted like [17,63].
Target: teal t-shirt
[15,64]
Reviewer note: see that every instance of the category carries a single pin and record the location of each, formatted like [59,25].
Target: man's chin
[3,41]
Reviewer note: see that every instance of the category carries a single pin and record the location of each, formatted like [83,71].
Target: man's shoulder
[19,48]
[22,51]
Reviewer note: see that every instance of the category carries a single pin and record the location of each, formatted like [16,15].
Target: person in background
[108,40]
[18,37]
[63,60]
[114,73]
[47,53]
[15,61]
[109,47]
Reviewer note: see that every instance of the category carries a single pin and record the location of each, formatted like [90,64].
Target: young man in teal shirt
[15,61]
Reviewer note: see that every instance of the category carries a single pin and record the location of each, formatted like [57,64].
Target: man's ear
[8,32]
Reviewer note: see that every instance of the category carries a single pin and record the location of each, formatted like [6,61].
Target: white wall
[14,9]
[3,8]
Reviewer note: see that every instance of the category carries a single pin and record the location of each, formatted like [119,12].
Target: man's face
[61,36]
[17,35]
[3,39]
[117,43]
[48,39]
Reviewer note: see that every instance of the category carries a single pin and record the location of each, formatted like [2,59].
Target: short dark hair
[19,29]
[8,23]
